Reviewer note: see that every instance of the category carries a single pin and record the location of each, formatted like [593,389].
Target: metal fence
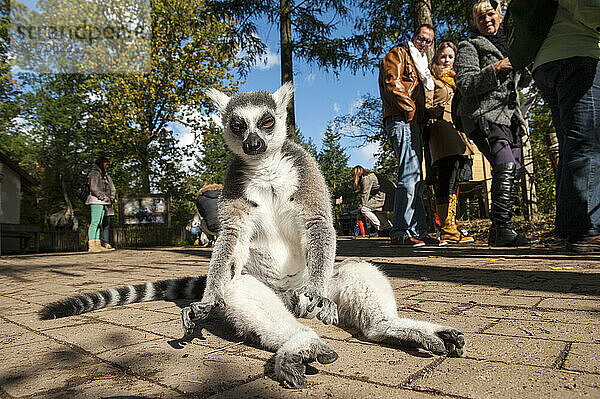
[132,236]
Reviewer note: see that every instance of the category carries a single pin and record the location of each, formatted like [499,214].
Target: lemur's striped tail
[187,287]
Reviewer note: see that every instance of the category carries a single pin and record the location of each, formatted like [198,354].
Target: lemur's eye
[267,122]
[237,126]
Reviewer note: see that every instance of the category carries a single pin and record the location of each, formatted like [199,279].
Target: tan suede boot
[105,247]
[449,231]
[94,246]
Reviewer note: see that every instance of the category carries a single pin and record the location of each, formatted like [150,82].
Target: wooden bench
[25,234]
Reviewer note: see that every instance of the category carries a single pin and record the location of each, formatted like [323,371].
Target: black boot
[514,196]
[504,192]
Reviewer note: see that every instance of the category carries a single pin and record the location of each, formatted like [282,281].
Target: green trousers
[96,221]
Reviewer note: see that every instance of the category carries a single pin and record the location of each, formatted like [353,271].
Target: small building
[14,237]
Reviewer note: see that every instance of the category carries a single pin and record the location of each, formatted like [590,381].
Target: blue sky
[319,96]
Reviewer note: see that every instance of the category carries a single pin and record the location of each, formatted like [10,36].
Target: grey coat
[102,190]
[486,93]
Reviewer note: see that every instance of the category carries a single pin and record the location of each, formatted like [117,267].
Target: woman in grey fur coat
[101,198]
[491,115]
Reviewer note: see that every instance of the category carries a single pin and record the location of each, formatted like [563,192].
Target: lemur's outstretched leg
[366,301]
[257,312]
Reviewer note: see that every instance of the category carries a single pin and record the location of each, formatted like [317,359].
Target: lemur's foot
[447,341]
[196,311]
[328,313]
[304,301]
[290,366]
[454,341]
[186,320]
[290,370]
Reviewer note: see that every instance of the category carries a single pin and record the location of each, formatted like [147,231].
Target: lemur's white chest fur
[276,221]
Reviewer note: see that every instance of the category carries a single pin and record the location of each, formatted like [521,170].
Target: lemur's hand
[305,299]
[198,311]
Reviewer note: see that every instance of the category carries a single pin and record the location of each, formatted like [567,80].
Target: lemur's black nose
[253,145]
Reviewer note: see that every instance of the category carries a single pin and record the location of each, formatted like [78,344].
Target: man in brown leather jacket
[403,76]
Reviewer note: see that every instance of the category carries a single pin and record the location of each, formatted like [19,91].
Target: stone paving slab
[46,366]
[486,379]
[531,319]
[583,357]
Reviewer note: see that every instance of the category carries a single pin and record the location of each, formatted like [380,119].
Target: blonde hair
[357,173]
[483,6]
[435,67]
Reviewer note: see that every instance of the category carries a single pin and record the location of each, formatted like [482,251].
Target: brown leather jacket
[402,93]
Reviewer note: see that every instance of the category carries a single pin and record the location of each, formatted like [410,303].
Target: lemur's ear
[220,99]
[283,95]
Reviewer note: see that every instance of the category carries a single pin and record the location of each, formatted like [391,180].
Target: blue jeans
[571,88]
[409,210]
[195,231]
[106,229]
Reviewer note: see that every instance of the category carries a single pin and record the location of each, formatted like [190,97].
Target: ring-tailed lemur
[273,260]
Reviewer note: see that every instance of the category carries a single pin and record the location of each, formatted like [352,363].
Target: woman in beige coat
[376,193]
[450,149]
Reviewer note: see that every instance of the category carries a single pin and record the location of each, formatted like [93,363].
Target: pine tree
[333,162]
[308,144]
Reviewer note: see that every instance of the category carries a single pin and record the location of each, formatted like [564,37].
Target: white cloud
[186,137]
[364,156]
[310,78]
[267,61]
[358,101]
[336,108]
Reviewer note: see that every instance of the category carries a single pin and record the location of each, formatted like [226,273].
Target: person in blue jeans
[567,72]
[403,77]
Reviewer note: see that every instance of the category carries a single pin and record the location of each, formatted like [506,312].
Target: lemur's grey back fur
[182,288]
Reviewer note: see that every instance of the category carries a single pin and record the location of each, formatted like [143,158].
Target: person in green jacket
[567,72]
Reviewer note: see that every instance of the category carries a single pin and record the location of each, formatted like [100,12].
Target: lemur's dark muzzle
[254,144]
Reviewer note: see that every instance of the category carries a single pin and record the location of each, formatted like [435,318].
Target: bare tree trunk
[552,142]
[144,159]
[287,71]
[421,10]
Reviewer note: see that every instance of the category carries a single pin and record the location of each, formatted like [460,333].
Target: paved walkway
[531,319]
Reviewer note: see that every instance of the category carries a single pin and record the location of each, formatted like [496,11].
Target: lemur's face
[253,123]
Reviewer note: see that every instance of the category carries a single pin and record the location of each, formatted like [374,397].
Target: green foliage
[540,126]
[129,117]
[385,23]
[9,88]
[308,145]
[214,156]
[191,51]
[314,27]
[51,142]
